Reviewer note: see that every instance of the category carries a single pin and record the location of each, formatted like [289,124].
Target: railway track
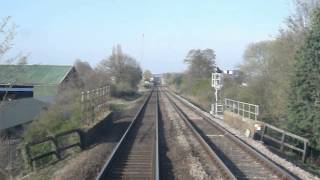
[240,159]
[136,155]
[219,170]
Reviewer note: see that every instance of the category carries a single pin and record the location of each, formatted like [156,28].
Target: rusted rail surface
[136,155]
[241,159]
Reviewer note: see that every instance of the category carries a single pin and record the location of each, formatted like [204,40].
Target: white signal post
[217,85]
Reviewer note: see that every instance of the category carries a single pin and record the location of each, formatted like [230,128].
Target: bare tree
[88,75]
[22,59]
[147,75]
[7,35]
[300,20]
[201,62]
[122,68]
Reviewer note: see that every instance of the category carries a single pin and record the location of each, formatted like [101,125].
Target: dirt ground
[181,155]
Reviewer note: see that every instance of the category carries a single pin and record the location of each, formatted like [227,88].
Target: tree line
[120,70]
[195,82]
[281,75]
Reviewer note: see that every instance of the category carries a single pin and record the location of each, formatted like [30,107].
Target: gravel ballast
[257,145]
[188,159]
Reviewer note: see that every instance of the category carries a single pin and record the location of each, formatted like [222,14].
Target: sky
[158,34]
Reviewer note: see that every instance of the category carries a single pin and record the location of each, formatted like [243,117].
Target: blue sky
[58,32]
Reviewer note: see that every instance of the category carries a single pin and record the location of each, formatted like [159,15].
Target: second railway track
[242,160]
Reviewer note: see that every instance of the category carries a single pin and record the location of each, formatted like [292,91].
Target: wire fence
[243,109]
[10,155]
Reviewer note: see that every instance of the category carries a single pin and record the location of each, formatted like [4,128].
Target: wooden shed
[27,89]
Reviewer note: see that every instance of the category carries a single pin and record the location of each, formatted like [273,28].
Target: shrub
[122,90]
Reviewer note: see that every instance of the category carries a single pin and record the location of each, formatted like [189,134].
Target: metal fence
[218,110]
[243,109]
[285,139]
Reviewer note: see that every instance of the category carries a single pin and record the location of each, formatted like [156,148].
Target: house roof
[33,74]
[19,111]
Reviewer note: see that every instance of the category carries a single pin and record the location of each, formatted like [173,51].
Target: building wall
[15,92]
[45,91]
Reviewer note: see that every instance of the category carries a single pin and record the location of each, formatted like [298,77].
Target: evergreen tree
[303,108]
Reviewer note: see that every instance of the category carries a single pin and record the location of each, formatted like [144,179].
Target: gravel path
[260,147]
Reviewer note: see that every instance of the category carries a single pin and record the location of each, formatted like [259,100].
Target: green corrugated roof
[33,74]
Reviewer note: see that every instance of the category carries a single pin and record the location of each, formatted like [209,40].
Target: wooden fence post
[83,140]
[282,141]
[88,108]
[305,148]
[28,152]
[82,106]
[56,144]
[256,112]
[92,105]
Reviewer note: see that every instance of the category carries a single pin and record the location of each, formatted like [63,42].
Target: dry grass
[86,165]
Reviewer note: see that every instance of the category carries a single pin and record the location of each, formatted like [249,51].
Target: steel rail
[157,174]
[224,170]
[103,174]
[279,171]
